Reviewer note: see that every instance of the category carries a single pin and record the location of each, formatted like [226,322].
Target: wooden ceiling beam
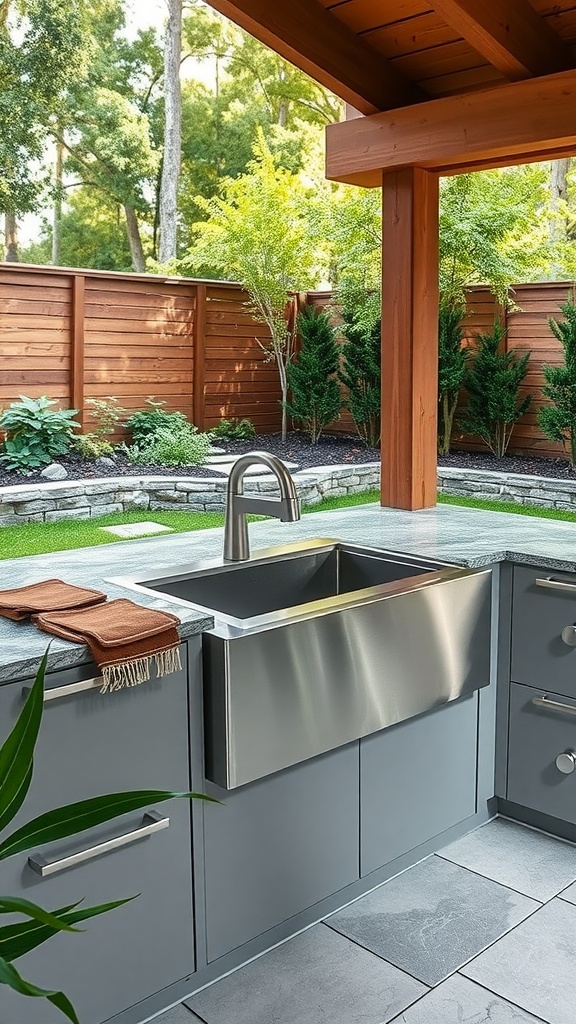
[314,40]
[510,35]
[509,124]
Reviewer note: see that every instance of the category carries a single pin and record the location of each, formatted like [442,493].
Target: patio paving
[483,931]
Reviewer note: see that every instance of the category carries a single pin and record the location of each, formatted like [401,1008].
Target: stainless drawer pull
[554,705]
[566,762]
[151,822]
[67,691]
[553,584]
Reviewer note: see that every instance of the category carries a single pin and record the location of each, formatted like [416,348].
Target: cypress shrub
[316,397]
[558,420]
[452,360]
[361,375]
[492,383]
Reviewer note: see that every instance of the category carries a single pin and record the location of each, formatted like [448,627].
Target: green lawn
[41,538]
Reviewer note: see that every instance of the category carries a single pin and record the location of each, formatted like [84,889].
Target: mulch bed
[331,450]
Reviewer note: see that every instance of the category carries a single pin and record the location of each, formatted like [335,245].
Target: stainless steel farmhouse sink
[320,643]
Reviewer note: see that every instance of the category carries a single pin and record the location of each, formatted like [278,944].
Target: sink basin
[242,590]
[321,643]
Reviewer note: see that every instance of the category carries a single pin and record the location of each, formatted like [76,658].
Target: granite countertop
[448,533]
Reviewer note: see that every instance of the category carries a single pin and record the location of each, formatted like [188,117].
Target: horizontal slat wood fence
[75,335]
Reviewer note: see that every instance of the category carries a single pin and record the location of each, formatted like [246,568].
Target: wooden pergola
[433,88]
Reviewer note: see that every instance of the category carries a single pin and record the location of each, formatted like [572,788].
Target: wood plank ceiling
[382,54]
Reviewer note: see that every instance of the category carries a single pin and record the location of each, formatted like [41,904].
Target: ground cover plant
[35,433]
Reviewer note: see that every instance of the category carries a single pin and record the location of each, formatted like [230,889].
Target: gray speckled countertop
[459,535]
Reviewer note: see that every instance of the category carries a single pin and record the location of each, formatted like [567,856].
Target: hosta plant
[35,433]
[37,924]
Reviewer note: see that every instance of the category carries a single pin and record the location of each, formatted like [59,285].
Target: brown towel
[123,638]
[46,596]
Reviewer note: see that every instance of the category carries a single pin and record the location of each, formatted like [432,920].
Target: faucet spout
[238,505]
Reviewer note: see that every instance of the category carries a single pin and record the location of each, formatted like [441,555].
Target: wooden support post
[199,352]
[409,338]
[77,347]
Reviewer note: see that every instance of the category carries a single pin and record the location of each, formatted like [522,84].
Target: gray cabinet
[278,846]
[543,607]
[418,778]
[90,744]
[542,728]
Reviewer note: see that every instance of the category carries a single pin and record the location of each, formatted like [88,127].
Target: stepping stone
[215,460]
[135,529]
[255,470]
[217,451]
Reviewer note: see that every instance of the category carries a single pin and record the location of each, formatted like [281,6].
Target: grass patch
[508,506]
[68,534]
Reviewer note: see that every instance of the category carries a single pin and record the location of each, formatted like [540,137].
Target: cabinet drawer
[538,734]
[126,955]
[92,743]
[540,612]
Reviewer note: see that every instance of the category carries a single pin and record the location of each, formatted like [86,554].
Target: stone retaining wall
[546,492]
[83,499]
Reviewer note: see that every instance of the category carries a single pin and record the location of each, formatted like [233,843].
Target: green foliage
[107,415]
[93,234]
[452,359]
[492,383]
[316,396]
[182,447]
[35,433]
[16,769]
[558,420]
[361,375]
[234,430]
[493,229]
[142,425]
[90,446]
[257,232]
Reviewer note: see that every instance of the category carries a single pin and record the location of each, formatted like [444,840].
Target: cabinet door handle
[553,584]
[554,705]
[151,822]
[56,692]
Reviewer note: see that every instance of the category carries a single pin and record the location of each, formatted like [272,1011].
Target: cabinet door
[278,846]
[417,779]
[542,727]
[90,744]
[543,608]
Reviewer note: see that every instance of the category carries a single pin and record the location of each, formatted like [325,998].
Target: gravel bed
[559,469]
[330,451]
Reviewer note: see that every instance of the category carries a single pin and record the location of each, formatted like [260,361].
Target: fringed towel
[124,639]
[46,596]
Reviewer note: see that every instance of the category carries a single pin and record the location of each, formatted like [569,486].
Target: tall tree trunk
[11,237]
[172,133]
[57,211]
[558,194]
[134,241]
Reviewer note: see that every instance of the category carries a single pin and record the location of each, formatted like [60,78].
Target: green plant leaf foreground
[18,939]
[10,976]
[17,752]
[75,818]
[15,905]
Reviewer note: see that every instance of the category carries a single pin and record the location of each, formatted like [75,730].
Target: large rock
[54,472]
[104,462]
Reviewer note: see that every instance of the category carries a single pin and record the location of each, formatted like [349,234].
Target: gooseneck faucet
[238,504]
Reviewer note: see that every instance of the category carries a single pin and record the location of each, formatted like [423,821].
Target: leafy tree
[43,46]
[361,375]
[92,234]
[493,229]
[313,377]
[257,232]
[452,359]
[558,420]
[492,383]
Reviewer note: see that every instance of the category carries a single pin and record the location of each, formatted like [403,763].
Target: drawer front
[92,743]
[539,733]
[126,955]
[89,744]
[540,612]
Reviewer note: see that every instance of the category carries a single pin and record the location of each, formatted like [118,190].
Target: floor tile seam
[501,884]
[534,828]
[378,956]
[499,995]
[456,969]
[192,1013]
[495,941]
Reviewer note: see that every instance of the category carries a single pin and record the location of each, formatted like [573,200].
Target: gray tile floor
[484,931]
